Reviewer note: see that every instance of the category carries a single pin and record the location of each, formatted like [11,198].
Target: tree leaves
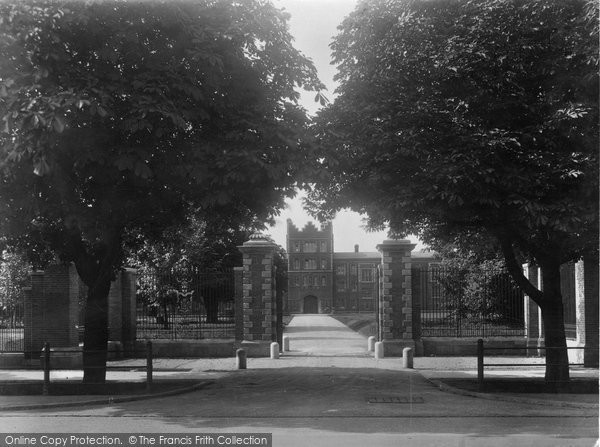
[58,124]
[456,116]
[123,115]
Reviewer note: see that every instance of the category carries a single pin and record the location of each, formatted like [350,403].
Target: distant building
[321,280]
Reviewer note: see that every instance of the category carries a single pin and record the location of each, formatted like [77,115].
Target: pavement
[327,371]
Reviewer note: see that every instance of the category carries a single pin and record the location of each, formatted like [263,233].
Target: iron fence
[185,303]
[12,329]
[460,303]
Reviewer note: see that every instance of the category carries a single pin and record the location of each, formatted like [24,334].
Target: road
[327,396]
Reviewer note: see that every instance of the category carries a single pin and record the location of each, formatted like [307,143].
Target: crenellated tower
[310,268]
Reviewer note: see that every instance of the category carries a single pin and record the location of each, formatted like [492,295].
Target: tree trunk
[95,337]
[550,303]
[557,359]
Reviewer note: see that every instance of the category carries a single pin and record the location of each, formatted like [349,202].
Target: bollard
[240,359]
[371,343]
[379,350]
[149,366]
[274,350]
[480,364]
[286,344]
[407,358]
[46,385]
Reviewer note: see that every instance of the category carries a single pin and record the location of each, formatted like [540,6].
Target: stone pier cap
[396,244]
[258,240]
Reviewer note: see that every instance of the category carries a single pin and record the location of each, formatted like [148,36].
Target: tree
[478,288]
[208,247]
[118,118]
[210,243]
[471,120]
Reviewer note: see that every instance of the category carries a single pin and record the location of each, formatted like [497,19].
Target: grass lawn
[363,323]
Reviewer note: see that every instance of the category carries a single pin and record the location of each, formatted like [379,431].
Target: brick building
[321,280]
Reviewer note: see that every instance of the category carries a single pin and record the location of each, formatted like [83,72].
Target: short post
[286,344]
[407,358]
[148,365]
[274,350]
[379,350]
[240,359]
[480,364]
[371,343]
[46,385]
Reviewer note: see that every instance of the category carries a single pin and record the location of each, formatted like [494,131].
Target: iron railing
[11,327]
[185,304]
[452,304]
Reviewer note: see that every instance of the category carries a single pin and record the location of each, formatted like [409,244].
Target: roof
[357,255]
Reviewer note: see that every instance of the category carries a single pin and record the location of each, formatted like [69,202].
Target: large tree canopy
[471,118]
[120,117]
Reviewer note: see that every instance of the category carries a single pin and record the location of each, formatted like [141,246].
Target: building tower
[310,268]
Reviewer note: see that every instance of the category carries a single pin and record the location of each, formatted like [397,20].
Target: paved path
[322,335]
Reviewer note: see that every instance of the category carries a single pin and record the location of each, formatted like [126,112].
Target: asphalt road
[329,393]
[558,431]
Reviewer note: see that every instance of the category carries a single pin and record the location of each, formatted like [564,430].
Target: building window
[341,269]
[323,264]
[296,264]
[323,281]
[316,281]
[310,264]
[353,269]
[305,281]
[323,246]
[366,274]
[340,283]
[310,247]
[296,246]
[297,281]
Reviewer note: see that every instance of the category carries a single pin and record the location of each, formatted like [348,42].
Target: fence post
[371,343]
[286,344]
[407,358]
[240,359]
[274,350]
[46,386]
[148,365]
[480,364]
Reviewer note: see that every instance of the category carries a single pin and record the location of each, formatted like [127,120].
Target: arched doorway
[311,304]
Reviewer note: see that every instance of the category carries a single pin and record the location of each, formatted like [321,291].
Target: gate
[461,303]
[185,303]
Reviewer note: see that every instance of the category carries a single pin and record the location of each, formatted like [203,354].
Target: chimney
[355,248]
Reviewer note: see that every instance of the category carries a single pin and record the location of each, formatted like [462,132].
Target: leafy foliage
[210,243]
[128,113]
[454,117]
[478,289]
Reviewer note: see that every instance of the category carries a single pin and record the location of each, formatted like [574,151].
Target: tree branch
[516,271]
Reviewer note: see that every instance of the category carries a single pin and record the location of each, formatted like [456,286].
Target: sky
[313,24]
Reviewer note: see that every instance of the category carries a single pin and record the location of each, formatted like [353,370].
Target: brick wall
[53,309]
[258,294]
[395,301]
